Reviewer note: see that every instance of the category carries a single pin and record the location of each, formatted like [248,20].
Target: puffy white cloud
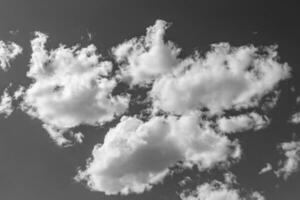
[290,165]
[71,86]
[242,123]
[266,169]
[8,52]
[137,154]
[218,191]
[226,78]
[295,119]
[6,107]
[146,58]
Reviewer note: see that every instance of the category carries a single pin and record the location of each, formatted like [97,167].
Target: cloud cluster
[193,94]
[291,164]
[71,86]
[195,101]
[219,191]
[8,52]
[137,154]
[191,98]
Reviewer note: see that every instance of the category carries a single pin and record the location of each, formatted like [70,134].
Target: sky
[137,99]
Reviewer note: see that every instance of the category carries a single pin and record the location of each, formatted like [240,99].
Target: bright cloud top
[8,52]
[71,86]
[137,154]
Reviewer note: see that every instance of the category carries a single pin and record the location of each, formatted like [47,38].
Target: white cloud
[266,169]
[18,94]
[290,165]
[78,137]
[8,52]
[71,86]
[146,58]
[137,154]
[242,123]
[6,107]
[226,78]
[295,119]
[218,191]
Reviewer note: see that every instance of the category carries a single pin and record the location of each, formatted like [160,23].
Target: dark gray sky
[33,167]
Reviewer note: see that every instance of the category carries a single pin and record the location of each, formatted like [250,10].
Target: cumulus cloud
[71,86]
[295,118]
[242,123]
[8,52]
[266,169]
[148,57]
[6,107]
[219,191]
[136,154]
[291,163]
[225,78]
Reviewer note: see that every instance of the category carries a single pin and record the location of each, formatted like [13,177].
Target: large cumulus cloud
[137,154]
[225,78]
[71,86]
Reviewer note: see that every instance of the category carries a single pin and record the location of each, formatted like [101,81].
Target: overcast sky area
[149,100]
